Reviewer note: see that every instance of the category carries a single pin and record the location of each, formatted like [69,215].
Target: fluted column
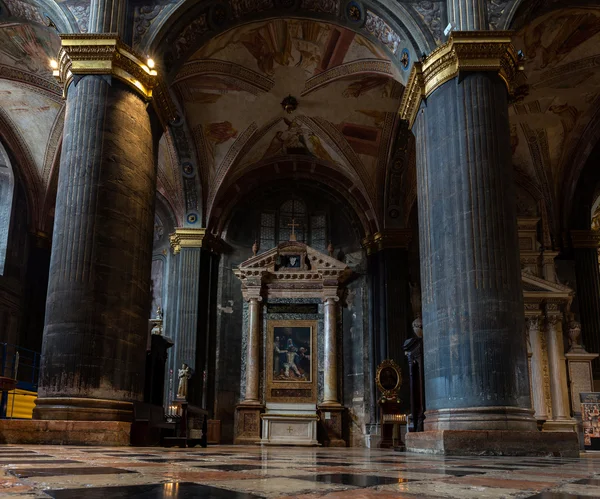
[330,368]
[107,16]
[476,369]
[557,369]
[587,271]
[537,367]
[468,15]
[98,301]
[253,351]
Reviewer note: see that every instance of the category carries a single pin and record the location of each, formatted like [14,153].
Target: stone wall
[241,232]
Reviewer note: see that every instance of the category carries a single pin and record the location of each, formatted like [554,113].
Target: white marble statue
[184,374]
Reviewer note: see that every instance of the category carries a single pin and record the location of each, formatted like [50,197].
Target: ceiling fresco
[562,86]
[231,70]
[231,90]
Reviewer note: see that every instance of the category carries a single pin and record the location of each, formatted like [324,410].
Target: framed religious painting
[292,361]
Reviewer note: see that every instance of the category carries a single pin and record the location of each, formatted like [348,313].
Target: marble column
[95,335]
[475,356]
[253,352]
[587,272]
[476,369]
[247,412]
[330,368]
[537,367]
[557,368]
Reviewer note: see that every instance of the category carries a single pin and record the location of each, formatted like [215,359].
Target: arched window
[7,187]
[276,226]
[292,211]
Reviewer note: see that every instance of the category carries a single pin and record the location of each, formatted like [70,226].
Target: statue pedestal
[290,424]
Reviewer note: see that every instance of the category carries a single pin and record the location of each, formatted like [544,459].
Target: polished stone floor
[229,472]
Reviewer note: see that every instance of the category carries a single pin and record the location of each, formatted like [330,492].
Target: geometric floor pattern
[234,472]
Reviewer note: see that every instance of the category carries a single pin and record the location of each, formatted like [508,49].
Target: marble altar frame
[271,384]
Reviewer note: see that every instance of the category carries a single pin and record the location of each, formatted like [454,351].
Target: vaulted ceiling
[229,69]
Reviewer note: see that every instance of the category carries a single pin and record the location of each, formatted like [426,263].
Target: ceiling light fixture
[289,104]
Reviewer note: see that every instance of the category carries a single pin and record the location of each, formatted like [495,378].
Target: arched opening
[7,186]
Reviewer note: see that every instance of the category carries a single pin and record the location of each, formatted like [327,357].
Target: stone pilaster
[538,398]
[561,407]
[587,272]
[468,15]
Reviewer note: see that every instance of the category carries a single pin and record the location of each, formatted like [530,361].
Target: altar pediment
[538,290]
[292,265]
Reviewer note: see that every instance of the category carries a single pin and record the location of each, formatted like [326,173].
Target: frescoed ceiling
[561,83]
[347,93]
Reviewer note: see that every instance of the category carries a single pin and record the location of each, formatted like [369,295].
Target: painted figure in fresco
[278,357]
[291,362]
[303,360]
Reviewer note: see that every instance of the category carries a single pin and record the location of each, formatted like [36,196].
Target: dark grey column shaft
[468,15]
[588,299]
[476,373]
[187,307]
[97,309]
[107,16]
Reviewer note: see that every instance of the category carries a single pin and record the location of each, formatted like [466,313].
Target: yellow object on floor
[24,402]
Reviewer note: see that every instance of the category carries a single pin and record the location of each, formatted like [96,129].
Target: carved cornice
[464,51]
[585,238]
[388,238]
[184,237]
[106,54]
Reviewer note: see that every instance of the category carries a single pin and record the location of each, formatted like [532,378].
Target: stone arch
[297,168]
[7,187]
[25,168]
[179,30]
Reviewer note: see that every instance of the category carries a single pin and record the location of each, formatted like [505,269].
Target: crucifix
[293,225]
[290,429]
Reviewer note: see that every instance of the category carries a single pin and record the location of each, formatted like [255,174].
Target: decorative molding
[388,238]
[464,51]
[585,238]
[248,80]
[103,54]
[184,237]
[43,86]
[364,66]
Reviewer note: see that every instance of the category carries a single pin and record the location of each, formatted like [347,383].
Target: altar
[290,378]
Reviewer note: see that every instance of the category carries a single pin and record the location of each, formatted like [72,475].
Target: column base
[247,423]
[560,425]
[82,409]
[32,431]
[494,443]
[331,421]
[481,418]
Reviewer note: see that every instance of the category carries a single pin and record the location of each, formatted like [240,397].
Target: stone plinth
[247,424]
[332,422]
[494,443]
[56,432]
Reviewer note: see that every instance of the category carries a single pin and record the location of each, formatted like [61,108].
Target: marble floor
[228,472]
